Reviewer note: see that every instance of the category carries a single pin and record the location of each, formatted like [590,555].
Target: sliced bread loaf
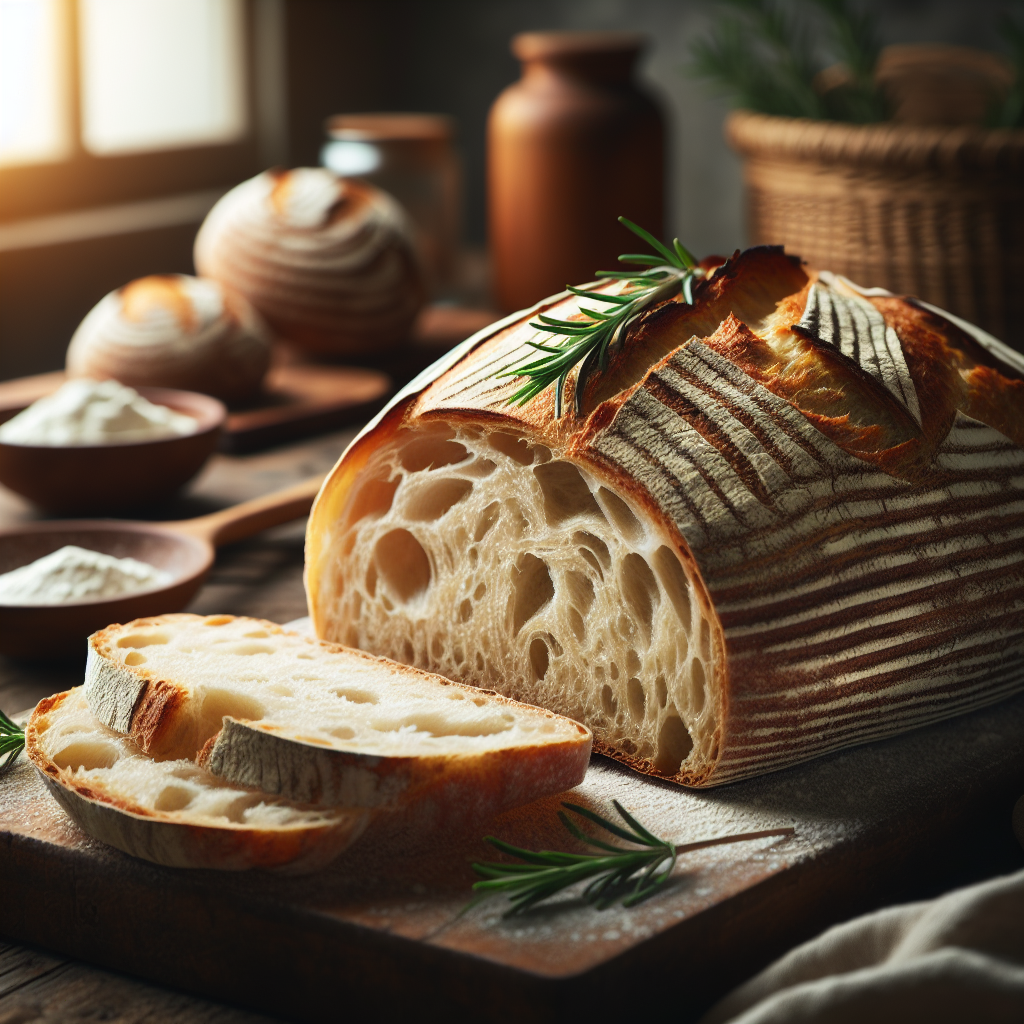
[173,812]
[321,724]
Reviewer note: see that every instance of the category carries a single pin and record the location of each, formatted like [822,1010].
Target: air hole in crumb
[539,658]
[246,649]
[459,655]
[481,467]
[173,798]
[698,683]
[218,620]
[640,590]
[436,648]
[608,701]
[674,744]
[532,587]
[408,652]
[281,690]
[257,634]
[576,624]
[479,701]
[373,498]
[455,695]
[220,704]
[466,610]
[143,640]
[134,658]
[474,557]
[87,756]
[514,447]
[661,691]
[432,453]
[632,663]
[481,589]
[371,580]
[621,515]
[594,550]
[403,564]
[354,695]
[487,518]
[566,494]
[636,699]
[676,585]
[343,732]
[434,500]
[613,670]
[437,725]
[580,591]
[479,662]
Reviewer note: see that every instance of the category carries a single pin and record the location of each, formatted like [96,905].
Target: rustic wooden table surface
[261,577]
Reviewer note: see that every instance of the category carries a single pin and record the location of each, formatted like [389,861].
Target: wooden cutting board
[383,930]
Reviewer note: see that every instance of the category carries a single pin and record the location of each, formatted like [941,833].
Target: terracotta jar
[571,146]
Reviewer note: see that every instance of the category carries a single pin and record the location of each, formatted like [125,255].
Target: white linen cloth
[957,958]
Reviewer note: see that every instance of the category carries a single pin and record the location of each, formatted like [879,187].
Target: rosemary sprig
[586,342]
[632,875]
[12,742]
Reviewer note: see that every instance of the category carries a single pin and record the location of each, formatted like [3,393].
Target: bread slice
[173,812]
[782,520]
[320,724]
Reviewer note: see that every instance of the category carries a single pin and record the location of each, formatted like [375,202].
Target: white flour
[90,412]
[75,574]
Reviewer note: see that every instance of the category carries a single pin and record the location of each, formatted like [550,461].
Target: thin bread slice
[323,724]
[173,812]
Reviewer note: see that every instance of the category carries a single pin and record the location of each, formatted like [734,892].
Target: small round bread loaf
[174,331]
[328,261]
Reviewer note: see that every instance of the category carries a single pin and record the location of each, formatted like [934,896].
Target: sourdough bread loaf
[328,261]
[786,519]
[315,723]
[173,812]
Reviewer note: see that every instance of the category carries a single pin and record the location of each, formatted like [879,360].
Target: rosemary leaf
[12,742]
[586,342]
[618,873]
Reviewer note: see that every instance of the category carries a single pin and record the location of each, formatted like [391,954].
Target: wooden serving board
[298,401]
[383,930]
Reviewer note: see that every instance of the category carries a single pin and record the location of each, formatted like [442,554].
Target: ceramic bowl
[112,479]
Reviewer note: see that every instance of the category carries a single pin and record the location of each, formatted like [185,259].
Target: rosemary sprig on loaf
[587,341]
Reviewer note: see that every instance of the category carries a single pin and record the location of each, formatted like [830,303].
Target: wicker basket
[936,212]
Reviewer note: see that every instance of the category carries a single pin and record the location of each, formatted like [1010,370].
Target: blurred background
[123,121]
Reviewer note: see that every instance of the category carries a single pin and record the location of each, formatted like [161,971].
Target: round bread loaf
[782,520]
[174,331]
[329,262]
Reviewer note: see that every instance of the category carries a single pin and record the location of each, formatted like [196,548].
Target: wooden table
[263,578]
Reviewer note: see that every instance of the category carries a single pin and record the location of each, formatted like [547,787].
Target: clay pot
[571,146]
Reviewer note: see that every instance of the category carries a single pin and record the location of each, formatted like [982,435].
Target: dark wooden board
[383,928]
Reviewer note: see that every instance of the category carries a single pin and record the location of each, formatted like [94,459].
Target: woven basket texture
[936,212]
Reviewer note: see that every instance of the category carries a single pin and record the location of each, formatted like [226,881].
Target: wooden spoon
[185,549]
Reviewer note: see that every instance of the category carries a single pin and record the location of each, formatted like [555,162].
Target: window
[112,101]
